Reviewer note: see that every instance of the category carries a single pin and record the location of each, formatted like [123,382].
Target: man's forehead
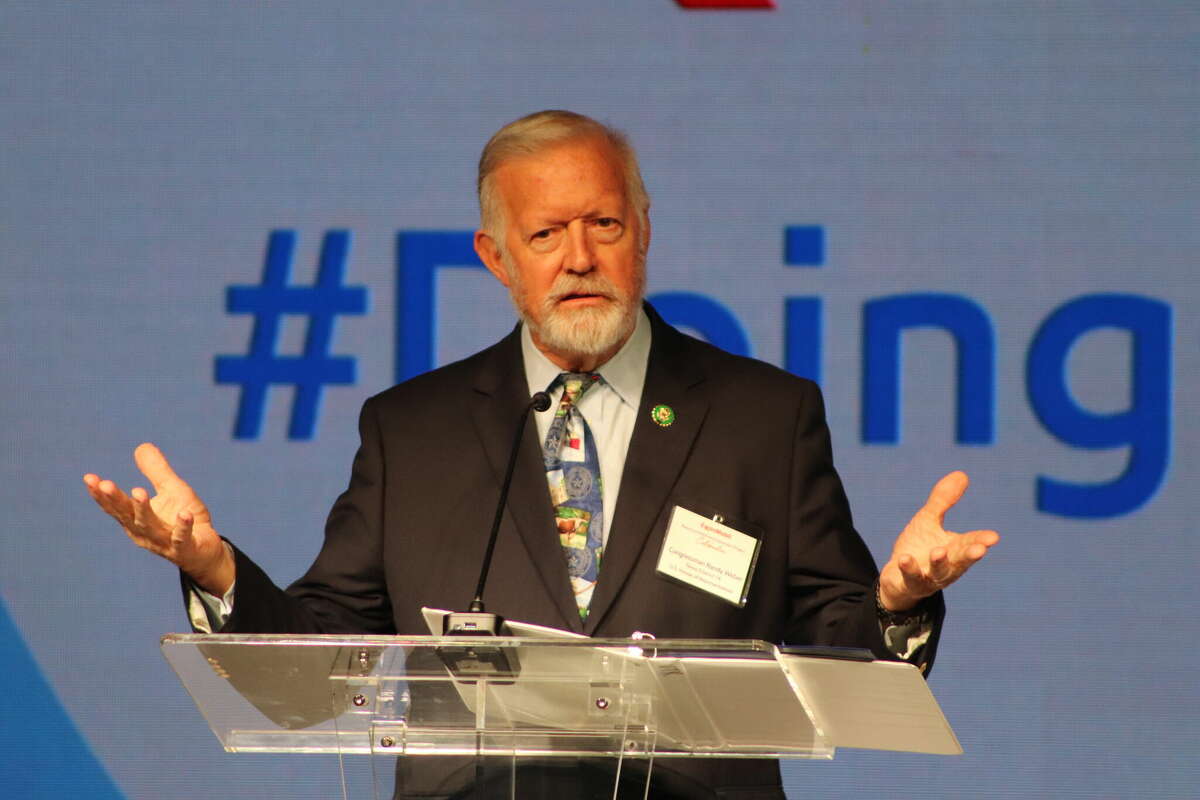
[568,160]
[563,174]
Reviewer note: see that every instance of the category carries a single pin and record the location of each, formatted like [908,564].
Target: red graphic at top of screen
[726,3]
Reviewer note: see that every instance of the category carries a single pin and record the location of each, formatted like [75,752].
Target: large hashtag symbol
[320,302]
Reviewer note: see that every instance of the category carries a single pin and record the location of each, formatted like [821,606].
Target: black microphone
[476,621]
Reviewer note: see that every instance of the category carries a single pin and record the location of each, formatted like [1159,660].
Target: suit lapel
[500,395]
[655,459]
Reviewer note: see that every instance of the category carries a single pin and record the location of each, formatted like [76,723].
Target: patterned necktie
[573,473]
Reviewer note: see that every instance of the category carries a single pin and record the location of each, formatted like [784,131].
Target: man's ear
[489,253]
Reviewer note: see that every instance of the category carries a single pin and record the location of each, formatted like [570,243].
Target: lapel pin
[663,415]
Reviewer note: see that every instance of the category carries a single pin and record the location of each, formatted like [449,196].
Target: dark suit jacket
[749,441]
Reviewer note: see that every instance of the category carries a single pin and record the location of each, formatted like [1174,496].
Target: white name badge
[709,555]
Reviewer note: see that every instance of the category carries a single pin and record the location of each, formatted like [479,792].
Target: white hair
[540,131]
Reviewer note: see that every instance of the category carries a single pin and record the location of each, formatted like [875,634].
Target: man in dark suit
[671,422]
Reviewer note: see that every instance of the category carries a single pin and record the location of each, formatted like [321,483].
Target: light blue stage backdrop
[976,223]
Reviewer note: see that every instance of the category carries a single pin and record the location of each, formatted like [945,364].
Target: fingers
[915,577]
[132,511]
[913,584]
[110,498]
[144,519]
[154,465]
[181,533]
[975,545]
[940,569]
[946,492]
[943,566]
[92,482]
[985,538]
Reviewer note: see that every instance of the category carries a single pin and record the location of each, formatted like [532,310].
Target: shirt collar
[625,372]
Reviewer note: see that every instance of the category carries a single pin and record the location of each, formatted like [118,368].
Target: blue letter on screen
[706,316]
[1145,426]
[802,337]
[883,322]
[418,256]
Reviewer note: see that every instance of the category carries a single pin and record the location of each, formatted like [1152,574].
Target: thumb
[154,466]
[948,491]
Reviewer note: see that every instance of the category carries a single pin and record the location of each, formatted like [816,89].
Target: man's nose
[580,256]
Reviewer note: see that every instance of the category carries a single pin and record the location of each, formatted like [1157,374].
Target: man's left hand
[926,556]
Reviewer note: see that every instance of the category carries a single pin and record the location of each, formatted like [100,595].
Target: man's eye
[607,229]
[545,240]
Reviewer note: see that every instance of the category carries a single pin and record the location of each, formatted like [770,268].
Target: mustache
[567,285]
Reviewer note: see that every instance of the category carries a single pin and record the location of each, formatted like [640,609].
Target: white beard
[583,332]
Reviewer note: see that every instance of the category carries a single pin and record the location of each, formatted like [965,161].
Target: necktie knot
[575,385]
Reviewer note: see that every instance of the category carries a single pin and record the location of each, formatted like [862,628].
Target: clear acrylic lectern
[538,698]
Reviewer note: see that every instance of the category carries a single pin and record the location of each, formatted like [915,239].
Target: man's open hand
[173,524]
[926,556]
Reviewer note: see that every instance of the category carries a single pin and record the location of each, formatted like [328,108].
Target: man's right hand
[173,524]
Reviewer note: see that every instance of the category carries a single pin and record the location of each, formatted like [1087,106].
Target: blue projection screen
[974,223]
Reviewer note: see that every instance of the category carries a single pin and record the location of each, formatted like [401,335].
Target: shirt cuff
[206,611]
[905,641]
